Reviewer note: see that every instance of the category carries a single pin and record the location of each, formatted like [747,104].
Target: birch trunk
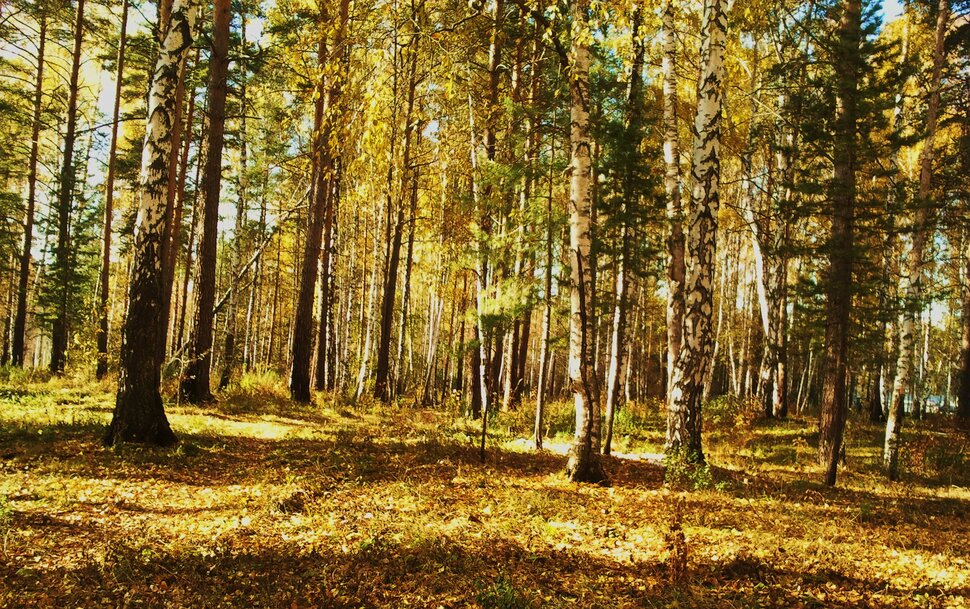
[911,279]
[694,360]
[139,415]
[675,236]
[584,463]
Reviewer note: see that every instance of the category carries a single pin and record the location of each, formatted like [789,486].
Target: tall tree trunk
[139,415]
[839,289]
[693,363]
[406,294]
[675,236]
[545,342]
[963,397]
[911,279]
[232,317]
[65,198]
[20,320]
[321,210]
[584,463]
[382,383]
[618,346]
[109,195]
[195,386]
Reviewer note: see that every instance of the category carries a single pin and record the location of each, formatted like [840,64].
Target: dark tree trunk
[839,289]
[20,320]
[323,159]
[195,386]
[109,195]
[65,198]
[303,322]
[139,414]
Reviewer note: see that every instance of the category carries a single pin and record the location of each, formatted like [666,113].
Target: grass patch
[267,503]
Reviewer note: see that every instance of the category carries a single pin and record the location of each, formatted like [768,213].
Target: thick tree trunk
[195,386]
[693,363]
[109,195]
[20,319]
[675,235]
[911,279]
[65,197]
[139,415]
[584,464]
[839,289]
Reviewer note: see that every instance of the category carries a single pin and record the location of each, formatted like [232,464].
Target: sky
[891,9]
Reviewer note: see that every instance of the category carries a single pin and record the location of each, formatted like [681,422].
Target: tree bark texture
[139,415]
[195,386]
[839,280]
[584,462]
[693,362]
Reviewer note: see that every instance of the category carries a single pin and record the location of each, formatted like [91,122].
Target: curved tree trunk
[618,344]
[139,415]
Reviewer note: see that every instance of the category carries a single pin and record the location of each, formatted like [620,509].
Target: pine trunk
[839,289]
[195,386]
[65,197]
[20,319]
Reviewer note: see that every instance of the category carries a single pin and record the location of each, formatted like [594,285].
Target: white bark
[694,360]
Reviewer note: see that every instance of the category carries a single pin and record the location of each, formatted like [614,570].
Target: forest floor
[268,504]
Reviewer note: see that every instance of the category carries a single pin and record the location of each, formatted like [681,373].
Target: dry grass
[267,504]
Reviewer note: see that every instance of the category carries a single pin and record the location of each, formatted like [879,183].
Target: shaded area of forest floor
[268,504]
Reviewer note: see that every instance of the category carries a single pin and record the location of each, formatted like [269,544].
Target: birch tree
[915,261]
[139,415]
[694,360]
[584,464]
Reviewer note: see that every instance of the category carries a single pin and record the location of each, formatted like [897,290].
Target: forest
[500,304]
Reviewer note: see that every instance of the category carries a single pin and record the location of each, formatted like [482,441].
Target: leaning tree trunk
[109,195]
[195,386]
[911,279]
[139,415]
[693,363]
[839,289]
[20,319]
[65,196]
[584,464]
[675,235]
